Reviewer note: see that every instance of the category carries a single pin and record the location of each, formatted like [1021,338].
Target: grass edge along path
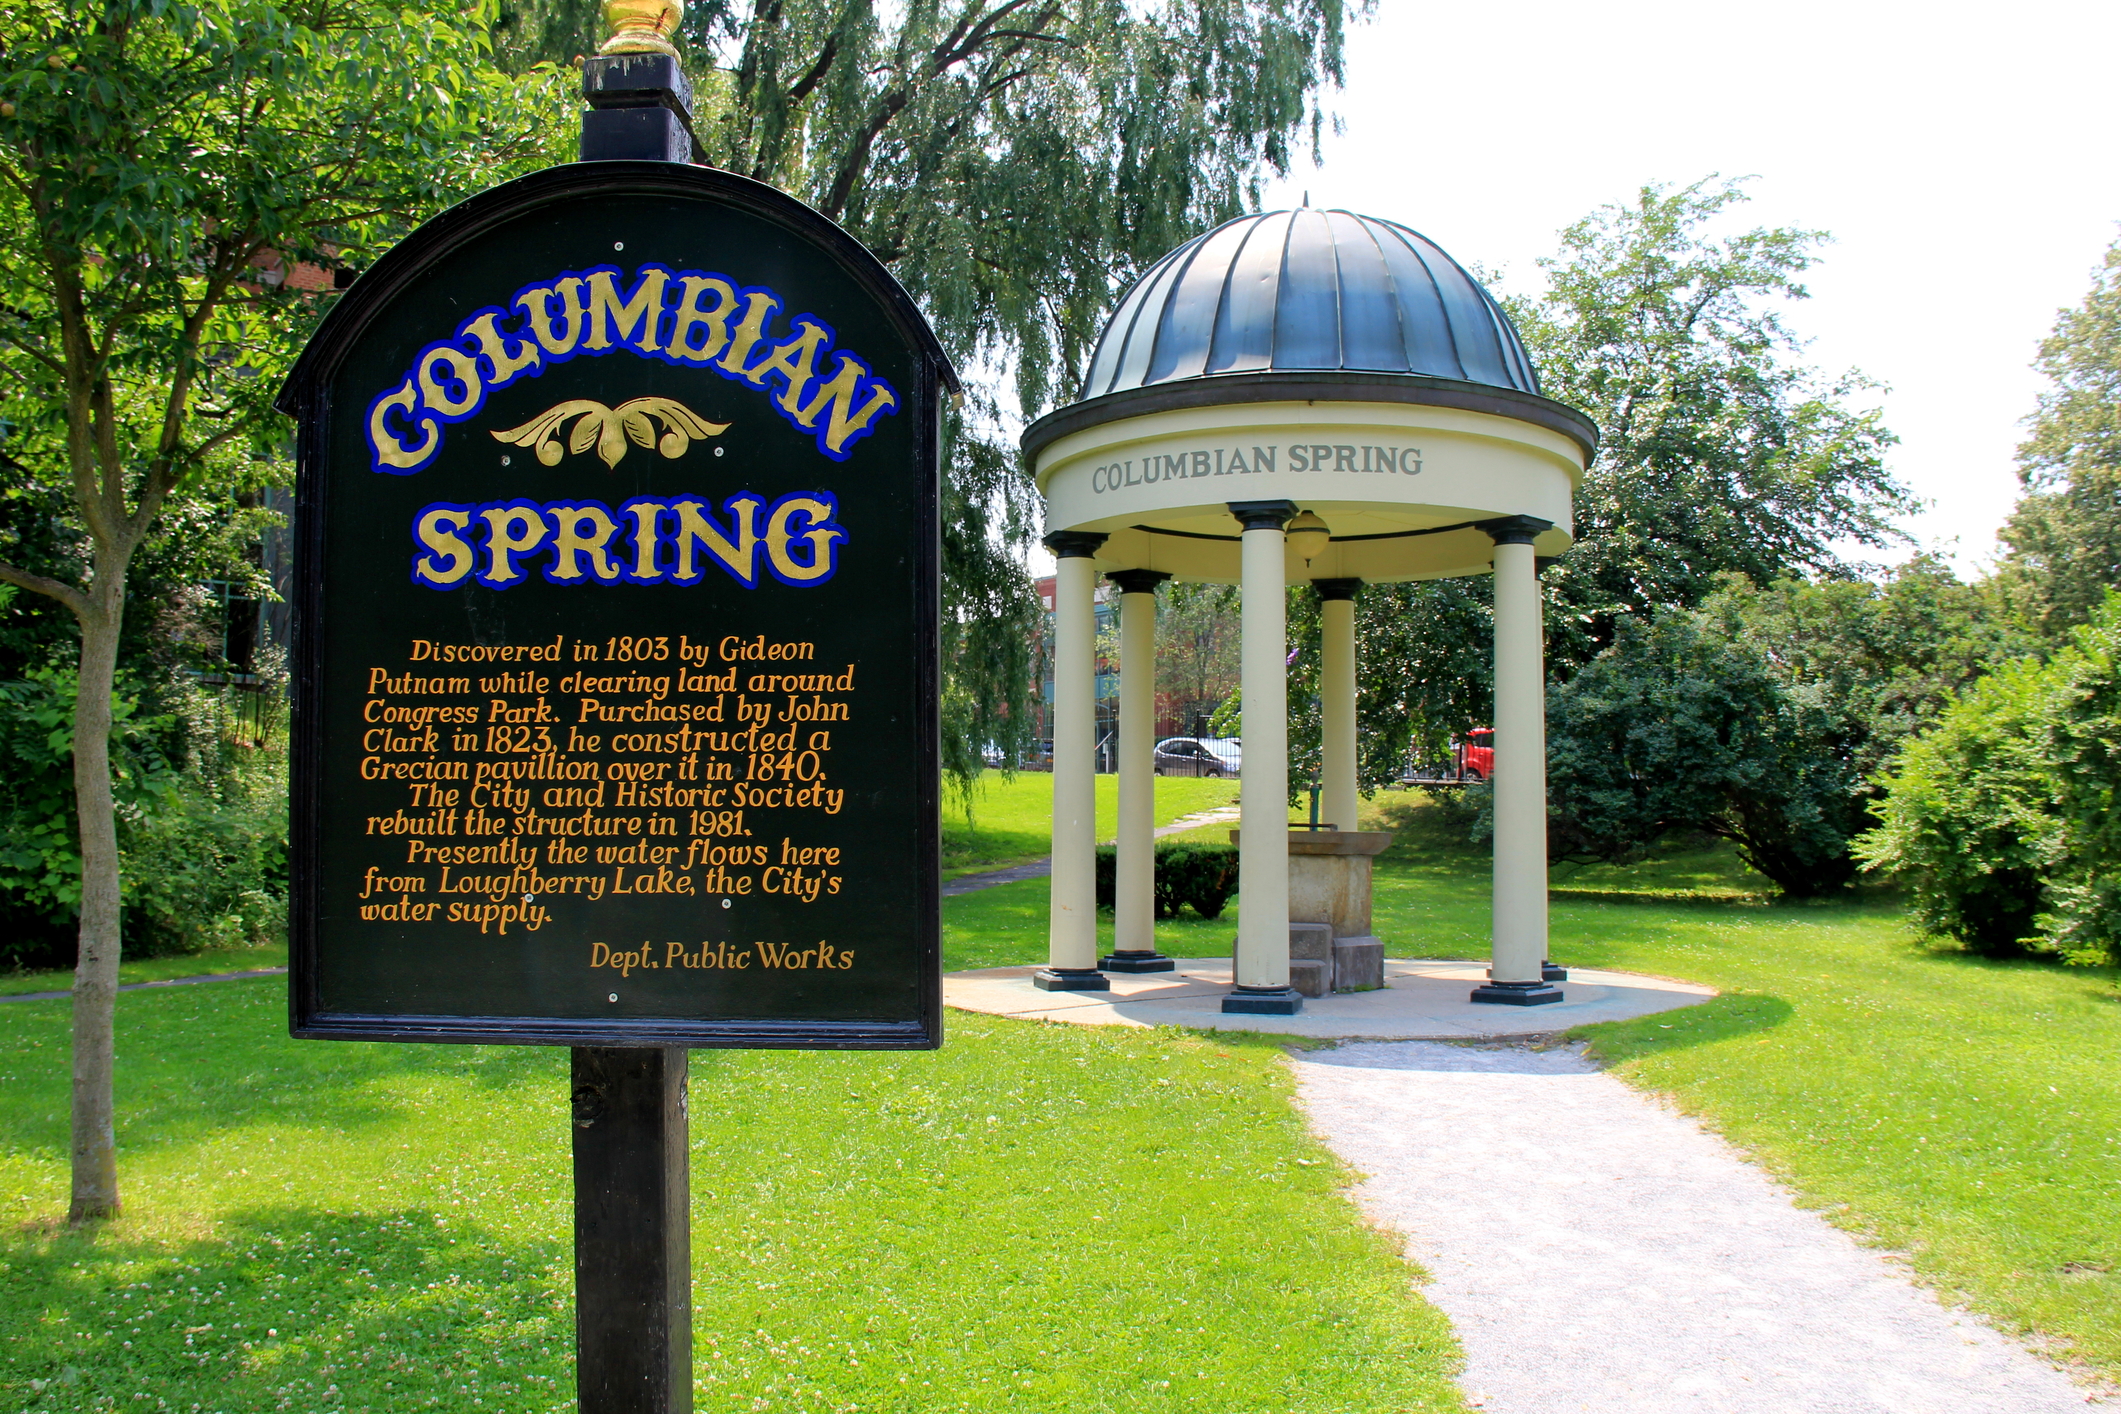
[1963,1111]
[1036,1217]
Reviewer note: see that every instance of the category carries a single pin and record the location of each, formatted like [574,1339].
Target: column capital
[1329,589]
[1540,562]
[1263,515]
[1073,544]
[1513,530]
[1137,581]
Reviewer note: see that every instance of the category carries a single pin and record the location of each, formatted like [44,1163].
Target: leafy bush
[2003,821]
[1203,876]
[1968,820]
[40,855]
[202,823]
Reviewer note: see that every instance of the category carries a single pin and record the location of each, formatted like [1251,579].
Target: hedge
[1202,875]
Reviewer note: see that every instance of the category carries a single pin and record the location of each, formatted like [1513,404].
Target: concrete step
[1358,964]
[1312,941]
[1311,977]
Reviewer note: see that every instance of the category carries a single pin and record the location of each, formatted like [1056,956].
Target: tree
[1197,642]
[1016,163]
[2064,537]
[1720,451]
[161,169]
[1425,674]
[1765,716]
[1887,657]
[1676,726]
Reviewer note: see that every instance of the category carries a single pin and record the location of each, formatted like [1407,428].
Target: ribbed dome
[1308,290]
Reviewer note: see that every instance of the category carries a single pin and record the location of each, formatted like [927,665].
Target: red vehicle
[1471,759]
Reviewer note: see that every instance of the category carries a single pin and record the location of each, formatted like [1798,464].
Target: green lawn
[1012,820]
[393,1217]
[1034,1218]
[1004,926]
[1963,1111]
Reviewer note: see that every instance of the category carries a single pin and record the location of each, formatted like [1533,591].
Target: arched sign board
[615,694]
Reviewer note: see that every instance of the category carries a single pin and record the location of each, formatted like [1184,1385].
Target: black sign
[615,688]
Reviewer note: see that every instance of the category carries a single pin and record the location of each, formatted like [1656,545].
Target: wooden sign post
[615,705]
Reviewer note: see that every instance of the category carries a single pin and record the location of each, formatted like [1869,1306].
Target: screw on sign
[583,733]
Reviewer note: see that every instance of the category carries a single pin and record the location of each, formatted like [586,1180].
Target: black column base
[1264,1001]
[1517,993]
[1137,962]
[1070,979]
[1548,972]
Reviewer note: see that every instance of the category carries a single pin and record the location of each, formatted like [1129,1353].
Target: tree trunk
[95,1140]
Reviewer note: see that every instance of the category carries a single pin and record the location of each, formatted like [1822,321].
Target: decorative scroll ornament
[610,429]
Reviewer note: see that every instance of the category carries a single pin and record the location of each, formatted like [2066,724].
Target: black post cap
[1263,515]
[1336,588]
[635,81]
[1513,530]
[1137,581]
[1073,544]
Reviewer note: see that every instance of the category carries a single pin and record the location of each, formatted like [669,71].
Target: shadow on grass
[1733,1017]
[288,1308]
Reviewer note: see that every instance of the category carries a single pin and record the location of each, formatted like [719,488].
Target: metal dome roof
[1308,290]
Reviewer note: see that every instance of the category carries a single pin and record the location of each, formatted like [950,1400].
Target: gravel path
[165,982]
[1600,1253]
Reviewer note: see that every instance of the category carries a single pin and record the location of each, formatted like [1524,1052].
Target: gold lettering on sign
[547,782]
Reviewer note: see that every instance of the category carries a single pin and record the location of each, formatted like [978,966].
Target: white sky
[1964,161]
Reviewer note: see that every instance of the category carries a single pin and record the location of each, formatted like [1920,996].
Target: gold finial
[641,26]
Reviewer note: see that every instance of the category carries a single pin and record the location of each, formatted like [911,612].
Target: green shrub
[208,867]
[202,825]
[1968,822]
[2002,822]
[2084,742]
[40,855]
[1679,726]
[1202,876]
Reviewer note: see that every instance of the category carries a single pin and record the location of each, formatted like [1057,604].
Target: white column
[1263,797]
[1071,930]
[1337,797]
[1134,884]
[1520,940]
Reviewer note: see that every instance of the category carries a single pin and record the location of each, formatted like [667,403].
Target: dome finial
[641,26]
[1307,200]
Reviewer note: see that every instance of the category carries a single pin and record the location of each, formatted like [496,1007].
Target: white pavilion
[1311,398]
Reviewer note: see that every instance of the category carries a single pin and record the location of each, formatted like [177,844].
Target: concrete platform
[1421,1001]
